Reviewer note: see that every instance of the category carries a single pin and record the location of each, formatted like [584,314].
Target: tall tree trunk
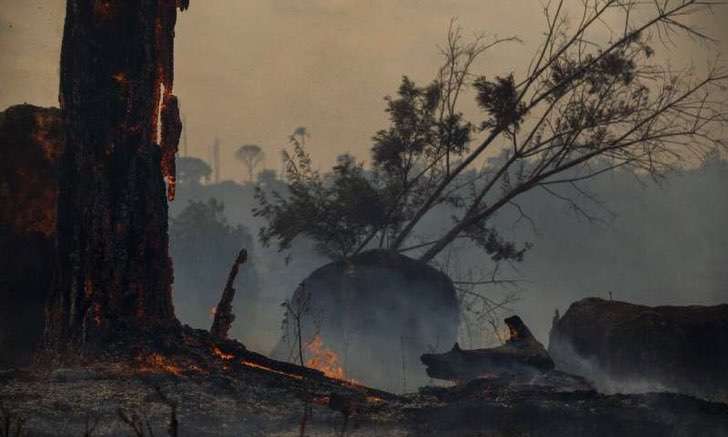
[122,127]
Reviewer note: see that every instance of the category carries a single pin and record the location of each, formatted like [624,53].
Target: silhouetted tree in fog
[250,155]
[192,171]
[337,210]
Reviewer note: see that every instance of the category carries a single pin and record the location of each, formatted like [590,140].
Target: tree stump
[121,124]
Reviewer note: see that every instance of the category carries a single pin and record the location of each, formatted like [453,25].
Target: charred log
[521,354]
[31,140]
[224,316]
[627,347]
[116,77]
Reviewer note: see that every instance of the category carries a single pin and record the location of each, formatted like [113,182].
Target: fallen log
[521,354]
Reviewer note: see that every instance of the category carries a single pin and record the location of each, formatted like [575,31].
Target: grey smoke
[658,243]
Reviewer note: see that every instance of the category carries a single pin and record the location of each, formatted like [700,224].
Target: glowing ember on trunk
[222,355]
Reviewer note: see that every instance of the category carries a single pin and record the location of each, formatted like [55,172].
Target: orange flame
[121,78]
[222,355]
[324,359]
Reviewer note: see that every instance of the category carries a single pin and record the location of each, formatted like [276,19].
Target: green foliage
[251,156]
[336,210]
[420,133]
[488,239]
[584,107]
[267,177]
[349,208]
[499,98]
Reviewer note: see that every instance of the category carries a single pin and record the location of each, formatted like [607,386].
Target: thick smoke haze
[654,243]
[659,244]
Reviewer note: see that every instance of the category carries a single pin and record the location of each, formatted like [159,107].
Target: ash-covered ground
[252,401]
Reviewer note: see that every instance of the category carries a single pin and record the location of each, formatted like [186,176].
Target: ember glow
[222,355]
[156,363]
[374,400]
[268,369]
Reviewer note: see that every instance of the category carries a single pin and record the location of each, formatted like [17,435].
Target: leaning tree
[586,104]
[122,126]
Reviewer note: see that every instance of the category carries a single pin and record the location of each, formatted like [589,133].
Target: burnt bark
[122,125]
[224,316]
[32,140]
[521,355]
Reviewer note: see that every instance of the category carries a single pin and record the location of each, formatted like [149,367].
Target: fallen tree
[625,347]
[520,355]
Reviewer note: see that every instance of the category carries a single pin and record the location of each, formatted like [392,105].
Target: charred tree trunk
[122,125]
[224,316]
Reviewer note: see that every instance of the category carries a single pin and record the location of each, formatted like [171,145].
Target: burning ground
[186,383]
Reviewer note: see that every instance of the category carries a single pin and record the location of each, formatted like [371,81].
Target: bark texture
[122,125]
[31,140]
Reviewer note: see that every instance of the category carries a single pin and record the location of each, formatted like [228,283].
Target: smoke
[569,361]
[657,244]
[264,66]
[653,243]
[378,312]
[203,250]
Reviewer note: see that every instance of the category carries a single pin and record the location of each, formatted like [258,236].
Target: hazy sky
[250,71]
